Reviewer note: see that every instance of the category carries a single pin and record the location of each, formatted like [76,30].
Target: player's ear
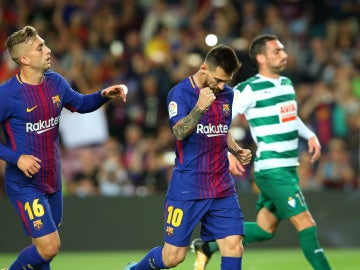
[203,68]
[260,58]
[24,60]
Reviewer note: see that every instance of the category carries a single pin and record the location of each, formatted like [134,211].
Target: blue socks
[152,260]
[29,258]
[231,263]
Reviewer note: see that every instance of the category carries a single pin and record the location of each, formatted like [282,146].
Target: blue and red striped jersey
[30,115]
[201,166]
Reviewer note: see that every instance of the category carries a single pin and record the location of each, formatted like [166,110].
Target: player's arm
[243,155]
[313,142]
[185,126]
[77,102]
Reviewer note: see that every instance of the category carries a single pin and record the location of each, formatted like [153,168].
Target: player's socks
[29,258]
[152,260]
[312,250]
[230,263]
[253,233]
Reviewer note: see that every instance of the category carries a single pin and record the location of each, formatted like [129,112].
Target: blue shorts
[219,218]
[40,213]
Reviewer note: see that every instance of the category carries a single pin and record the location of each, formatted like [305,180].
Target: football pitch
[254,259]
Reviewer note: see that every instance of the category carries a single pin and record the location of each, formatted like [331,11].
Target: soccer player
[269,104]
[30,107]
[201,188]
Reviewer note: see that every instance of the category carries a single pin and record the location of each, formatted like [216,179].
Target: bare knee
[303,220]
[48,246]
[172,260]
[231,246]
[173,255]
[49,251]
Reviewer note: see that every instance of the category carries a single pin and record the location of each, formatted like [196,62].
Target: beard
[213,89]
[278,69]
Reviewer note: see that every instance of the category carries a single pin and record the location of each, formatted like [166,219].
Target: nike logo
[31,109]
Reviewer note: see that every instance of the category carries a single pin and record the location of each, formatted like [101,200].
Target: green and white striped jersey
[270,108]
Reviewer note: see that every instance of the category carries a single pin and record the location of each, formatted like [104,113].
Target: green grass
[254,259]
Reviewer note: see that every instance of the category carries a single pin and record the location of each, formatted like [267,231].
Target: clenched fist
[244,156]
[206,98]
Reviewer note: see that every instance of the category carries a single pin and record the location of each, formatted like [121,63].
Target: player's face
[38,54]
[275,57]
[216,79]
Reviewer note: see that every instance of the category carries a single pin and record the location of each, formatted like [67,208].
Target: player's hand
[29,165]
[235,166]
[206,98]
[119,90]
[244,155]
[314,148]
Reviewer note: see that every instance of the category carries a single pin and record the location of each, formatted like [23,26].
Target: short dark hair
[258,44]
[223,56]
[23,35]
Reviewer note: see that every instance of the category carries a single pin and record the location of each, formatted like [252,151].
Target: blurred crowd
[127,149]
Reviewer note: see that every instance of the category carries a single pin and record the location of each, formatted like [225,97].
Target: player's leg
[225,223]
[261,230]
[161,257]
[36,215]
[231,250]
[181,217]
[289,203]
[307,233]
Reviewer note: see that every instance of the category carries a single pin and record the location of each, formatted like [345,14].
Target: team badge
[169,231]
[56,101]
[172,109]
[38,225]
[292,202]
[226,109]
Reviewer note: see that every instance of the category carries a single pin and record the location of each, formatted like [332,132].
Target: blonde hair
[22,36]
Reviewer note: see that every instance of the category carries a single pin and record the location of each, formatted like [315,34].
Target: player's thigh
[34,211]
[56,206]
[280,193]
[224,218]
[181,218]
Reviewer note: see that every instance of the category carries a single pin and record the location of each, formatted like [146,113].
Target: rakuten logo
[212,130]
[42,125]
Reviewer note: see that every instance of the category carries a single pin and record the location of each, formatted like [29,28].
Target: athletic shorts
[40,213]
[219,218]
[280,192]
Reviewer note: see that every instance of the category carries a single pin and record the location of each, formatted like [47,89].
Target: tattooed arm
[185,126]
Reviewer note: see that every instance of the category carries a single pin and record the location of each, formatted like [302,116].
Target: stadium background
[117,161]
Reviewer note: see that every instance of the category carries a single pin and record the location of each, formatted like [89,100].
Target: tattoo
[186,125]
[234,151]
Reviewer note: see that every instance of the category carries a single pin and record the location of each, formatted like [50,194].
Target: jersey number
[35,210]
[301,198]
[174,216]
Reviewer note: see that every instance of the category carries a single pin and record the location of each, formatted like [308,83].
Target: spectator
[334,171]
